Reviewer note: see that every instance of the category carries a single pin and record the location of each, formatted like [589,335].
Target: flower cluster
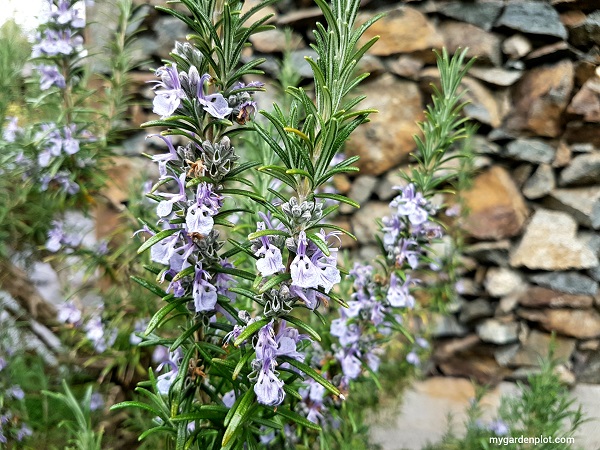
[58,39]
[11,395]
[95,329]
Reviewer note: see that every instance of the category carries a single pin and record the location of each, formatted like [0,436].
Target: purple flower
[96,401]
[398,294]
[410,204]
[50,76]
[168,97]
[23,432]
[15,392]
[3,364]
[164,158]
[163,251]
[204,293]
[268,387]
[165,381]
[404,253]
[214,104]
[138,327]
[96,333]
[304,272]
[499,427]
[413,358]
[229,398]
[69,313]
[165,207]
[55,237]
[199,216]
[272,261]
[351,366]
[11,129]
[347,333]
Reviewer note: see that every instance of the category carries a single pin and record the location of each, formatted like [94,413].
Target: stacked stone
[532,255]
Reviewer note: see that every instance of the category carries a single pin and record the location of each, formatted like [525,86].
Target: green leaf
[320,243]
[241,364]
[250,330]
[312,373]
[186,334]
[157,238]
[150,286]
[134,404]
[305,327]
[261,233]
[235,272]
[289,414]
[339,198]
[204,412]
[162,313]
[238,416]
[274,281]
[184,273]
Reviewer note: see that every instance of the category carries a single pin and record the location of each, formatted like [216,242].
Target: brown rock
[406,66]
[548,53]
[586,102]
[449,347]
[582,324]
[482,44]
[537,346]
[402,30]
[263,12]
[477,363]
[550,243]
[496,208]
[364,223]
[563,155]
[272,41]
[388,139]
[301,18]
[540,98]
[539,297]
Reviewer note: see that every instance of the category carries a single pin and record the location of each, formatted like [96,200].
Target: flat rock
[360,192]
[496,75]
[586,103]
[446,326]
[548,53]
[541,183]
[476,309]
[385,189]
[516,46]
[482,14]
[363,221]
[579,323]
[540,297]
[533,18]
[584,169]
[537,346]
[299,18]
[402,30]
[490,252]
[496,332]
[581,203]
[298,60]
[569,282]
[563,155]
[272,41]
[530,150]
[168,30]
[379,145]
[550,243]
[496,208]
[501,281]
[540,98]
[406,66]
[480,43]
[484,105]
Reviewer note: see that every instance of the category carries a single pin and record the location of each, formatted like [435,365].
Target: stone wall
[531,264]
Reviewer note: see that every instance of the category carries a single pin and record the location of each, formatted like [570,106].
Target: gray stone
[590,373]
[583,147]
[272,41]
[363,221]
[168,30]
[406,66]
[135,145]
[385,189]
[481,14]
[496,332]
[592,240]
[476,309]
[533,18]
[501,281]
[446,326]
[505,354]
[507,304]
[484,146]
[550,243]
[582,203]
[360,192]
[143,47]
[299,62]
[584,169]
[540,183]
[569,282]
[466,286]
[495,253]
[481,44]
[531,150]
[540,297]
[579,323]
[496,75]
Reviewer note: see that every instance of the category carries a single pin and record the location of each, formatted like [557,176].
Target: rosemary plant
[237,361]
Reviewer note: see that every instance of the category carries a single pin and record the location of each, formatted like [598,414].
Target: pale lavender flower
[304,272]
[11,129]
[164,158]
[3,364]
[50,76]
[138,327]
[411,204]
[165,207]
[23,432]
[56,237]
[69,313]
[165,381]
[268,387]
[204,293]
[499,427]
[160,354]
[271,261]
[351,365]
[229,398]
[215,104]
[96,401]
[15,392]
[199,216]
[398,294]
[169,96]
[413,358]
